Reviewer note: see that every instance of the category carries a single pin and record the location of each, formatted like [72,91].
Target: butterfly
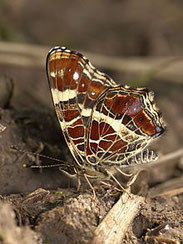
[105,125]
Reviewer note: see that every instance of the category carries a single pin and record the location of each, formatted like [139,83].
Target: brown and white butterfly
[104,124]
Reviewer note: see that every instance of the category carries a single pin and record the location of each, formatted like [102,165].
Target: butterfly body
[104,124]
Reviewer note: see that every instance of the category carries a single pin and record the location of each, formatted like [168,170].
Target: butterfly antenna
[15,148]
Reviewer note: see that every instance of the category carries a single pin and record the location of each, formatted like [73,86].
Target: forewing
[75,87]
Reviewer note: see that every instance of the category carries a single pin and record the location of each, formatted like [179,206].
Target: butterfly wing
[75,87]
[122,124]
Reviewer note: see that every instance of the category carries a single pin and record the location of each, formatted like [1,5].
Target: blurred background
[122,28]
[139,43]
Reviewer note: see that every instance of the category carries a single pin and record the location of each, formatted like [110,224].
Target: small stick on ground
[169,188]
[114,226]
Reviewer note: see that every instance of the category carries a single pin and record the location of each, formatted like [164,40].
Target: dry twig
[163,68]
[173,155]
[169,188]
[114,226]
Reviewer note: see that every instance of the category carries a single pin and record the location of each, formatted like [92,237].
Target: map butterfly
[105,125]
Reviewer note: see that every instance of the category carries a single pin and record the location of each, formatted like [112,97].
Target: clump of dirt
[10,232]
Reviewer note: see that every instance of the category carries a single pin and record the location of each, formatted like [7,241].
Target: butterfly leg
[78,183]
[87,180]
[114,178]
[133,178]
[123,173]
[143,157]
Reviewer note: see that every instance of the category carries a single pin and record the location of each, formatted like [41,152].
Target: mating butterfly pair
[104,124]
